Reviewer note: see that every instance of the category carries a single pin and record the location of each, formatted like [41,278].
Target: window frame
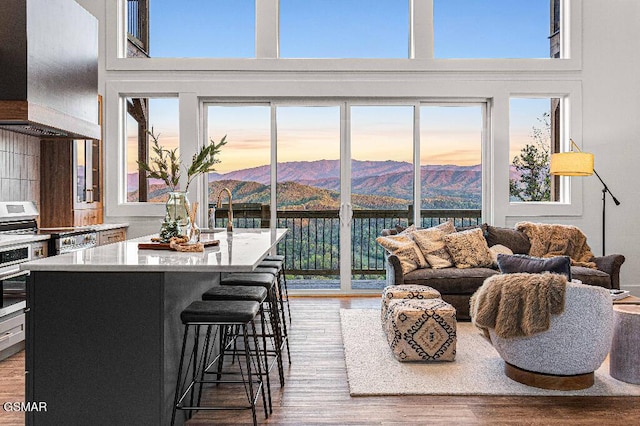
[570,203]
[413,89]
[564,103]
[420,48]
[485,111]
[115,154]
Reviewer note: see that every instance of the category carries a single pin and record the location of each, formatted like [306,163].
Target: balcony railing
[311,246]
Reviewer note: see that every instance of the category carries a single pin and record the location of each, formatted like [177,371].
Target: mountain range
[315,185]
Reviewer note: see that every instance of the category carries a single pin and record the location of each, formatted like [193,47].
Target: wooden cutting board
[165,246]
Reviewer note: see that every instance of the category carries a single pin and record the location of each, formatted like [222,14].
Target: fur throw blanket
[520,304]
[558,240]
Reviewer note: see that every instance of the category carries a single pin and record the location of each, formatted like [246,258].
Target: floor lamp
[578,163]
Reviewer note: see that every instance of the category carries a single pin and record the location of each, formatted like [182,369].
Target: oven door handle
[13,273]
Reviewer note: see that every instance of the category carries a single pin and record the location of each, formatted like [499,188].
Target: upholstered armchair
[566,355]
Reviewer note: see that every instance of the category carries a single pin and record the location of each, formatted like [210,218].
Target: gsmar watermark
[25,406]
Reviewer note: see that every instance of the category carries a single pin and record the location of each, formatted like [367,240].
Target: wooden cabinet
[112,236]
[71,182]
[68,194]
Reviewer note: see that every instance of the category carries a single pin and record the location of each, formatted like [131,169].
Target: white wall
[611,127]
[605,119]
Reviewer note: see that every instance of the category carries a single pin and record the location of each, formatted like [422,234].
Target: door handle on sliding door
[346,213]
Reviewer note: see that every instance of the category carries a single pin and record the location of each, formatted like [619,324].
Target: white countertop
[7,240]
[239,251]
[108,226]
[97,228]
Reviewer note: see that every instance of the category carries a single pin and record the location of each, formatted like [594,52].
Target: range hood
[48,69]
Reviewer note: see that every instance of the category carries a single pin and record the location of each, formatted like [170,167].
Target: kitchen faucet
[230,212]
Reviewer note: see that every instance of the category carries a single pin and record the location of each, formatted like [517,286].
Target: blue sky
[491,28]
[351,28]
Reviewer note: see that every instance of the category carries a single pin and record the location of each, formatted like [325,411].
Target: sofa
[456,285]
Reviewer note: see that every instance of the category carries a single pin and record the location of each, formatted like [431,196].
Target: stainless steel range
[19,218]
[17,222]
[22,241]
[67,240]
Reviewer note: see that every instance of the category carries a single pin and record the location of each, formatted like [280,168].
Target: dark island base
[103,348]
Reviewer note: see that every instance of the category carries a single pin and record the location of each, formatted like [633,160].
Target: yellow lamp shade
[572,164]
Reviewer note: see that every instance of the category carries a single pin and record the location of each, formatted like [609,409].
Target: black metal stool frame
[225,343]
[282,319]
[283,278]
[274,318]
[251,395]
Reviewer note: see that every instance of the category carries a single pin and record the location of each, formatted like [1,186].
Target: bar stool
[228,313]
[267,281]
[278,261]
[252,293]
[264,267]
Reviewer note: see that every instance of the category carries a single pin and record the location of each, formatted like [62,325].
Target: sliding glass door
[336,174]
[308,194]
[381,147]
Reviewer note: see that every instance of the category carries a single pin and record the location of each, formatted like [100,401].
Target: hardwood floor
[12,388]
[316,390]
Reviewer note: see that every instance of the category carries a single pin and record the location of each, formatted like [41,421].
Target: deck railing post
[265,214]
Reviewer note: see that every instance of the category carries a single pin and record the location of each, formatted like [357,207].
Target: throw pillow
[410,258]
[408,231]
[482,226]
[469,249]
[516,240]
[534,265]
[432,245]
[498,249]
[406,250]
[393,242]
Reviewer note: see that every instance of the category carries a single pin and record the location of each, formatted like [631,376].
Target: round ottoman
[405,291]
[624,359]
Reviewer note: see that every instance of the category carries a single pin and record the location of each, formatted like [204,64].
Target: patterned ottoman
[421,330]
[406,291]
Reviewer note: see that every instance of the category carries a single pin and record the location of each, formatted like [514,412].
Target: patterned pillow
[406,250]
[393,242]
[469,249]
[432,245]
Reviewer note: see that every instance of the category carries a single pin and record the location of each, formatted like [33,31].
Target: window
[344,29]
[308,148]
[308,192]
[159,115]
[494,29]
[192,29]
[451,157]
[381,182]
[381,157]
[328,29]
[534,133]
[245,162]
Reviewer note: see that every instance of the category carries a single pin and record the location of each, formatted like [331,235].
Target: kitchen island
[104,331]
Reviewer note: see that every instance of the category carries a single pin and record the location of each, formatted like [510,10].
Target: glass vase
[178,208]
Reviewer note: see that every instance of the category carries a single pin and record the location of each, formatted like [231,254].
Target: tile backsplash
[19,167]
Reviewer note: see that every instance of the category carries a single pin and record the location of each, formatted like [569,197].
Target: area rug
[477,370]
